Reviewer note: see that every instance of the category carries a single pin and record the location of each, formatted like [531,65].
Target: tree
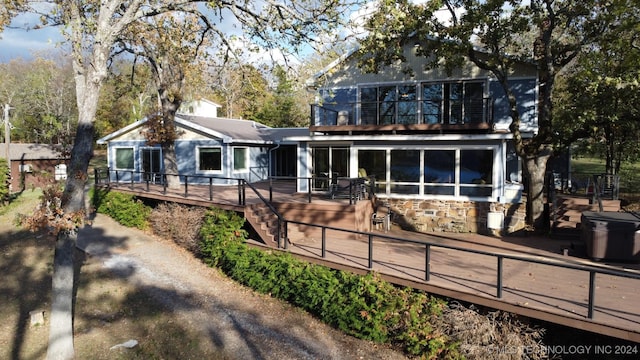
[282,108]
[599,99]
[173,46]
[92,29]
[549,33]
[241,87]
[42,97]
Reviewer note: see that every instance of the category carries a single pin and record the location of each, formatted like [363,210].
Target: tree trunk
[535,167]
[170,165]
[60,337]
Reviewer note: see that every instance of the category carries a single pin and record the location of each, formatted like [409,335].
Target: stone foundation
[455,216]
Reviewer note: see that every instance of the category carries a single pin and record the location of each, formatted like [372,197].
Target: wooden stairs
[337,214]
[566,213]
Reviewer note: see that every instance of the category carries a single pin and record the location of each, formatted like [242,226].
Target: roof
[20,151]
[228,130]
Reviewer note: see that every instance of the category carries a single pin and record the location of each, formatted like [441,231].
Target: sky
[16,42]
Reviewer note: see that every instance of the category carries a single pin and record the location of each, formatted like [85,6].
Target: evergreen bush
[123,208]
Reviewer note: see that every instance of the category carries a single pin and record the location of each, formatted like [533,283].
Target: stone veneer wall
[454,216]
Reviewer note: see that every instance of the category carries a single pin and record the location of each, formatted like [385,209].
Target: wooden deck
[529,288]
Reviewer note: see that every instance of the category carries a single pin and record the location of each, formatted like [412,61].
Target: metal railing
[468,111]
[592,271]
[102,176]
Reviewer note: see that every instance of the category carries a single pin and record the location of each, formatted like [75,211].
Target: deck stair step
[567,213]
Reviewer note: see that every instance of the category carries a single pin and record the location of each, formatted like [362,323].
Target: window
[476,169]
[463,172]
[124,159]
[405,171]
[439,172]
[407,105]
[453,103]
[209,159]
[240,159]
[431,103]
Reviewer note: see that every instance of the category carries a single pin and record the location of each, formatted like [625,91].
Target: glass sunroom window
[439,172]
[476,169]
[405,171]
[124,158]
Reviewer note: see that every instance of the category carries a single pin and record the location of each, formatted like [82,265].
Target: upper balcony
[402,117]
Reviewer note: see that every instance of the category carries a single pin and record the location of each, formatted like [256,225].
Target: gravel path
[238,323]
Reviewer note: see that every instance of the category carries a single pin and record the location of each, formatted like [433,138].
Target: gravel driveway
[238,323]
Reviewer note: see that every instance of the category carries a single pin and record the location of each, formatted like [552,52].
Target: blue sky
[15,42]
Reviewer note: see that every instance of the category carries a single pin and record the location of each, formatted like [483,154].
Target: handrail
[500,257]
[281,220]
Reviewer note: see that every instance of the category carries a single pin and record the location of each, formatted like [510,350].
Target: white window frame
[198,171]
[246,159]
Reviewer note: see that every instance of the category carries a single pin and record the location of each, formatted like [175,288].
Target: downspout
[270,159]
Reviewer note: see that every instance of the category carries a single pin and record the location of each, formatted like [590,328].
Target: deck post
[309,182]
[324,242]
[164,184]
[427,263]
[270,189]
[592,293]
[499,284]
[370,251]
[147,180]
[210,188]
[186,185]
[286,234]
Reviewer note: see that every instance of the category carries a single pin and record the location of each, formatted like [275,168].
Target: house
[439,146]
[436,148]
[207,146]
[34,165]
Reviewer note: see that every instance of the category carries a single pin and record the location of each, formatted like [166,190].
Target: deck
[529,276]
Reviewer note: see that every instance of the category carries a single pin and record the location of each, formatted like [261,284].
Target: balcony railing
[420,112]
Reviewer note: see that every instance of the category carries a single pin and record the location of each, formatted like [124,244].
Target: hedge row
[366,306]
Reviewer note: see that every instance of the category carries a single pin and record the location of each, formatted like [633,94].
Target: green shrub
[366,306]
[123,208]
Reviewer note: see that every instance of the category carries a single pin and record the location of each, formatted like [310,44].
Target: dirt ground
[134,286]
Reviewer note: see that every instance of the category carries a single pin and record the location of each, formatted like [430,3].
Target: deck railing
[102,177]
[432,112]
[592,271]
